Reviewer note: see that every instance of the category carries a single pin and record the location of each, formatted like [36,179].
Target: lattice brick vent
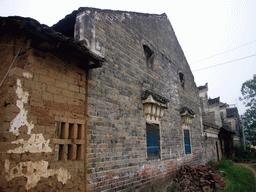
[71,139]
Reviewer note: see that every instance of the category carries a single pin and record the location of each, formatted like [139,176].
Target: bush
[224,163]
[248,155]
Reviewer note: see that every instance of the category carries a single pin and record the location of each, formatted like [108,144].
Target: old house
[221,125]
[102,101]
[43,107]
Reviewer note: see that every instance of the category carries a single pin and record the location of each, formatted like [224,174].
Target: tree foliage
[248,91]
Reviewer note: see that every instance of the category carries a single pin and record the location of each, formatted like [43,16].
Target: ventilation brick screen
[71,139]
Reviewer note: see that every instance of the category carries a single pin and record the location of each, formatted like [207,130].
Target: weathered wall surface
[117,128]
[40,93]
[212,149]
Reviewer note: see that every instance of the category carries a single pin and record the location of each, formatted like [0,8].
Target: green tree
[248,91]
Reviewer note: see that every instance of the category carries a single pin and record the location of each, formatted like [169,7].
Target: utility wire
[223,52]
[224,63]
[12,63]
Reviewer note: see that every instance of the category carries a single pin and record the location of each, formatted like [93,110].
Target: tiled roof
[213,101]
[223,105]
[43,33]
[203,87]
[157,97]
[185,109]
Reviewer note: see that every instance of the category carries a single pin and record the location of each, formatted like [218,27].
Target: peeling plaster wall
[21,118]
[34,171]
[39,89]
[37,142]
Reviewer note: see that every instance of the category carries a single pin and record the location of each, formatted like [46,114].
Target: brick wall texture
[47,102]
[116,150]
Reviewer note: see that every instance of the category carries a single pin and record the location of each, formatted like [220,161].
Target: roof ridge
[81,9]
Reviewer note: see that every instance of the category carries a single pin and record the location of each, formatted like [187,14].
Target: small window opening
[72,152]
[72,131]
[149,56]
[80,134]
[80,153]
[222,116]
[153,147]
[63,131]
[182,79]
[61,152]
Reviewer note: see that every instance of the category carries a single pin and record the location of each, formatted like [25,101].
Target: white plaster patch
[35,144]
[27,75]
[21,119]
[34,171]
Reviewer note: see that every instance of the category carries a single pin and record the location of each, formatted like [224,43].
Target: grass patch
[254,166]
[237,178]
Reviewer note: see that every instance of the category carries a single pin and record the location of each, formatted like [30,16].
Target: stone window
[187,115]
[153,106]
[149,53]
[153,147]
[71,139]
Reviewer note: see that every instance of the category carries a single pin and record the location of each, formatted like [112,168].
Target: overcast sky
[204,28]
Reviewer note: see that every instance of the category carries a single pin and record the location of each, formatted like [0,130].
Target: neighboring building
[221,124]
[128,124]
[43,99]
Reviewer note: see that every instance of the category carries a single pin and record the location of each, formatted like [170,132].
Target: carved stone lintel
[187,115]
[153,110]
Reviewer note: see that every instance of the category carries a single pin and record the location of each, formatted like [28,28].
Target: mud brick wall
[116,151]
[41,95]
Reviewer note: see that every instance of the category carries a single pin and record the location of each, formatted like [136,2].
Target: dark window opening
[149,56]
[153,147]
[72,131]
[79,154]
[187,142]
[182,79]
[63,132]
[222,116]
[61,152]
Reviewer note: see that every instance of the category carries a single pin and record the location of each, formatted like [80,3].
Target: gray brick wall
[117,127]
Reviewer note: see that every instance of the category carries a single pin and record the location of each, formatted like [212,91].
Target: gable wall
[117,127]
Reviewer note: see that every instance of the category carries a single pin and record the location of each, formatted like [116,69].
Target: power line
[223,52]
[224,63]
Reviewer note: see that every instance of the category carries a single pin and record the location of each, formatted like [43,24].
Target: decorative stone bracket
[187,115]
[153,106]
